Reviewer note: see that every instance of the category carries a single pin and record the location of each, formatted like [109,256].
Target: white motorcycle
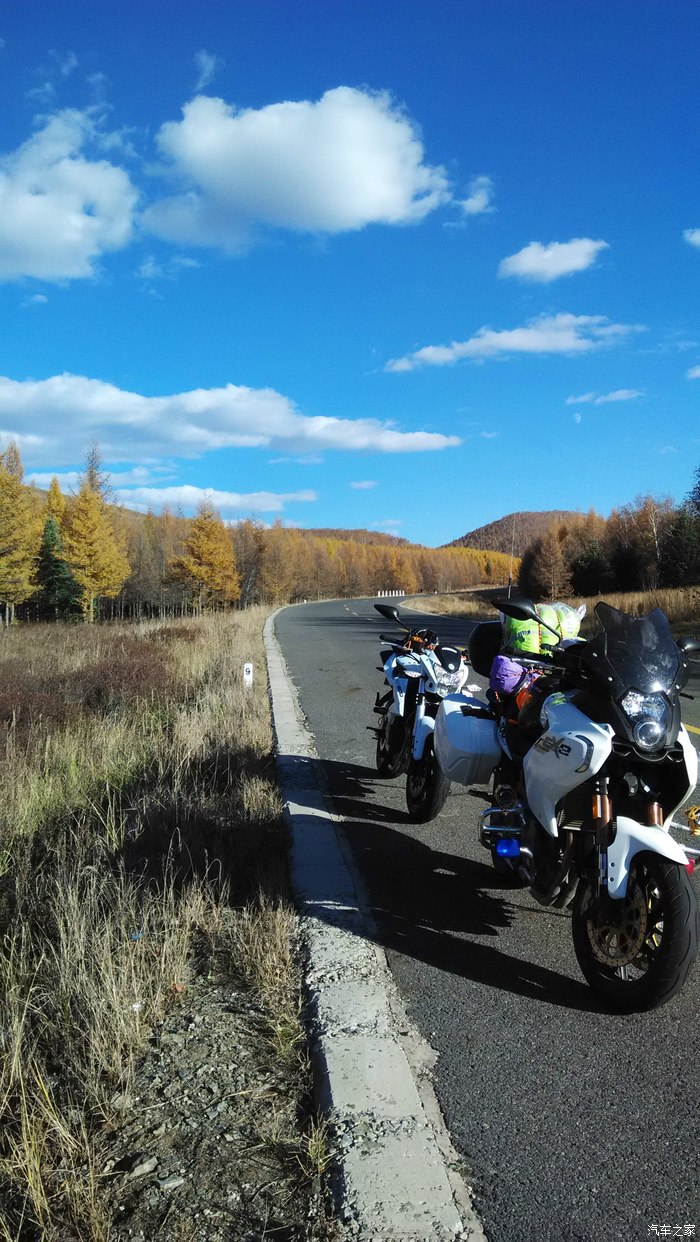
[588,774]
[419,673]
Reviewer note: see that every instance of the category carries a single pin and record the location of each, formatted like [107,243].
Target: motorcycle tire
[642,959]
[391,747]
[427,787]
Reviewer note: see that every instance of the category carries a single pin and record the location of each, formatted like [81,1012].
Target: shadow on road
[434,906]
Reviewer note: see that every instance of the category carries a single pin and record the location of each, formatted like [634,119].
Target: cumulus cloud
[545,263]
[595,398]
[364,485]
[59,211]
[68,411]
[693,373]
[480,197]
[548,334]
[692,236]
[350,159]
[189,498]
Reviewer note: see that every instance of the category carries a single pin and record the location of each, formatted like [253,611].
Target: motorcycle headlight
[446,683]
[650,715]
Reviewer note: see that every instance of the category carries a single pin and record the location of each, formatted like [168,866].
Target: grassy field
[140,844]
[681,606]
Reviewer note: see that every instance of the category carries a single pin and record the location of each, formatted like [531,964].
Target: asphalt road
[573,1122]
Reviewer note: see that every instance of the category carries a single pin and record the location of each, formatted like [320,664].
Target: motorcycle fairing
[571,750]
[690,756]
[630,839]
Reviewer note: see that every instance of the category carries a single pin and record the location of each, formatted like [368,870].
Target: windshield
[637,653]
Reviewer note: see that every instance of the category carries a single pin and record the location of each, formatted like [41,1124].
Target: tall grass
[681,606]
[139,820]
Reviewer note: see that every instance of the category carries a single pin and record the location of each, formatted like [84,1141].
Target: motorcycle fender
[424,727]
[630,839]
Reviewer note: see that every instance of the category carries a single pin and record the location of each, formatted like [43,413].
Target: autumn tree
[248,540]
[208,566]
[18,535]
[277,576]
[55,501]
[544,570]
[92,549]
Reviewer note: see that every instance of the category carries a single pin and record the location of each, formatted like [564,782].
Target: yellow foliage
[92,550]
[208,564]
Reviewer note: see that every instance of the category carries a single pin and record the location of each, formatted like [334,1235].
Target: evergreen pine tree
[58,593]
[679,554]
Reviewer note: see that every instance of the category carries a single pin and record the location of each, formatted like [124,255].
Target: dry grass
[139,832]
[681,606]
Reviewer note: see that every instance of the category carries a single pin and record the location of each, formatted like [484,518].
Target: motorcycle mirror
[389,611]
[519,609]
[688,644]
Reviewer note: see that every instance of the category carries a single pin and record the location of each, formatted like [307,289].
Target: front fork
[604,830]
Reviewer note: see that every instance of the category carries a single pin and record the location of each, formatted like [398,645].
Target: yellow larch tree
[55,501]
[92,548]
[19,535]
[207,565]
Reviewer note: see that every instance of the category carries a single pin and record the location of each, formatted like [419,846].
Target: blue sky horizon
[391,265]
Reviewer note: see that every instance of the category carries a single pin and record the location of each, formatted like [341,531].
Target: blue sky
[407,266]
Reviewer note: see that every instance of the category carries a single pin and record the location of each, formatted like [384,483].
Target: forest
[642,546]
[82,556]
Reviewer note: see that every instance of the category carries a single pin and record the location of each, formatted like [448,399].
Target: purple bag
[506,675]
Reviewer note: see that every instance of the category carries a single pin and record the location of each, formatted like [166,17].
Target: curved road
[573,1122]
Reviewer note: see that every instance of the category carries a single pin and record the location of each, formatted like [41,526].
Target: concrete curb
[397,1172]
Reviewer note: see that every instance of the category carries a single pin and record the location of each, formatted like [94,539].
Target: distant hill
[373,537]
[516,531]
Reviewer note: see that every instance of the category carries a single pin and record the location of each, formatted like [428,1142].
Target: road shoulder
[397,1175]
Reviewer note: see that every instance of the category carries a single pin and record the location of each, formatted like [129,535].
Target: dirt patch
[217,1141]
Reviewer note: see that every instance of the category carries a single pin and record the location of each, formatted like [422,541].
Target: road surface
[573,1122]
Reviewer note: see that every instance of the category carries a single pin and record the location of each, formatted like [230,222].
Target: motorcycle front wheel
[391,746]
[637,952]
[427,786]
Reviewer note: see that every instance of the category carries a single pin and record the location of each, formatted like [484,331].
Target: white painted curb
[394,1163]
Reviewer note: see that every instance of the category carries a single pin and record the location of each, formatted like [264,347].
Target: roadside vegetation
[143,881]
[681,606]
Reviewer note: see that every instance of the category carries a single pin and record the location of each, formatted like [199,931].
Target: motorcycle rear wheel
[391,747]
[427,786]
[640,958]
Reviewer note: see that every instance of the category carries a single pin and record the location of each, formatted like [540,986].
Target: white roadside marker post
[248,675]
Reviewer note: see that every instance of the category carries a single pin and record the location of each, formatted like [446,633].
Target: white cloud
[66,412]
[207,66]
[667,449]
[595,398]
[585,399]
[692,236]
[545,263]
[577,416]
[548,334]
[693,373]
[620,394]
[58,210]
[190,497]
[480,197]
[364,485]
[351,159]
[489,435]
